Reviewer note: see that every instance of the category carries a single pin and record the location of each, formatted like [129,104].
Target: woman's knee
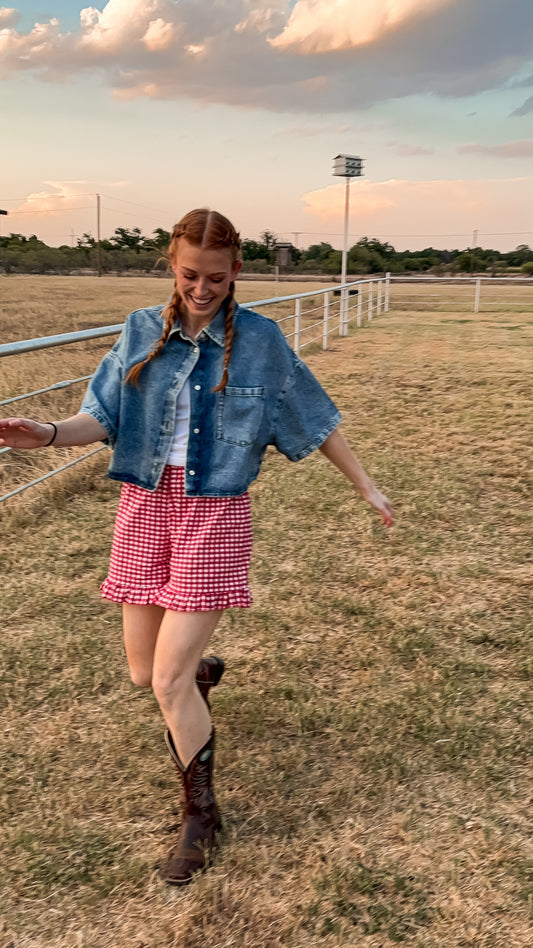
[172,686]
[141,677]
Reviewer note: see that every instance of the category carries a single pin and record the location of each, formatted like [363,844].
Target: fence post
[342,315]
[478,295]
[326,322]
[297,326]
[370,300]
[378,307]
[360,304]
[387,292]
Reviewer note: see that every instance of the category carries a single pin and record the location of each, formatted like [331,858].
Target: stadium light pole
[4,214]
[98,219]
[347,167]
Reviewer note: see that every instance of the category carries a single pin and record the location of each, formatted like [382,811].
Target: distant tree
[126,239]
[470,262]
[364,258]
[86,242]
[522,254]
[252,249]
[268,239]
[318,251]
[268,242]
[160,240]
[320,258]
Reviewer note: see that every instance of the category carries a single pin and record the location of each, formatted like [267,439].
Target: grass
[374,721]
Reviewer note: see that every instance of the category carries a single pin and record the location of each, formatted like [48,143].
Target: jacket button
[197,387]
[196,431]
[192,473]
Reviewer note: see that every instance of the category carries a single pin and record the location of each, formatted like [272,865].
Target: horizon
[475,243]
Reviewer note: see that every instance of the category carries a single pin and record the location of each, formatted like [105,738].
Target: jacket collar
[215,329]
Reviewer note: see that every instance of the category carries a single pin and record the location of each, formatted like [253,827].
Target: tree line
[128,249]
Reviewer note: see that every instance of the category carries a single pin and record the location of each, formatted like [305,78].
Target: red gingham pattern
[189,554]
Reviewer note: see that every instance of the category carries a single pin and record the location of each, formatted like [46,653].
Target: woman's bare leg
[141,628]
[180,642]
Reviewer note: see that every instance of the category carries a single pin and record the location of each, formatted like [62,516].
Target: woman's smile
[203,278]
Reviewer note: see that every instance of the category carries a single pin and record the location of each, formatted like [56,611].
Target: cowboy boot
[200,817]
[208,675]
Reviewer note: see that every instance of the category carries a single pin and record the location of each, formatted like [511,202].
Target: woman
[189,398]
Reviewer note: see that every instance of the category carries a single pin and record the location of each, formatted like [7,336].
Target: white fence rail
[464,294]
[305,318]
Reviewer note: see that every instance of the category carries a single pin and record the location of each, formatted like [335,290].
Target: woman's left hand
[380,503]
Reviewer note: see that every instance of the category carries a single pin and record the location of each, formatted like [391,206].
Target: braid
[169,314]
[228,337]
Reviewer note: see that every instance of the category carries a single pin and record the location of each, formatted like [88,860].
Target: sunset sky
[241,105]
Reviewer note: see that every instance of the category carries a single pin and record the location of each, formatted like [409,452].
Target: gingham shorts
[189,554]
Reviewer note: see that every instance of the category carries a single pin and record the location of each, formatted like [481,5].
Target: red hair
[208,230]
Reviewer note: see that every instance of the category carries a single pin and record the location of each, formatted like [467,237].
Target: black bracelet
[53,438]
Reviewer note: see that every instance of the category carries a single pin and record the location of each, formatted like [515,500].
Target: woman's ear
[237,267]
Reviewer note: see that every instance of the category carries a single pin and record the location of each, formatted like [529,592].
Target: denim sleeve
[305,415]
[102,398]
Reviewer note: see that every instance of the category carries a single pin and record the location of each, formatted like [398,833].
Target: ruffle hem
[167,599]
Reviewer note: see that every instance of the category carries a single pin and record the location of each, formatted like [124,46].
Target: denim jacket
[271,398]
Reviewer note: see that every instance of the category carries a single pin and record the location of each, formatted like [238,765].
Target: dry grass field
[374,722]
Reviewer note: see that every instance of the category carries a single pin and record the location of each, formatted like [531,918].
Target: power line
[156,220]
[66,210]
[110,197]
[317,233]
[54,197]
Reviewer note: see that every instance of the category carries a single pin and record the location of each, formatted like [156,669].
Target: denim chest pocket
[239,414]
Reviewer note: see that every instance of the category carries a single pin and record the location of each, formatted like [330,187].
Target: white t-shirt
[178,448]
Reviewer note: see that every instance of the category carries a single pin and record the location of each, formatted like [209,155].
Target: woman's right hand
[24,433]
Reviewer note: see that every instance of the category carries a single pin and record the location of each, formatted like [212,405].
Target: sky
[160,106]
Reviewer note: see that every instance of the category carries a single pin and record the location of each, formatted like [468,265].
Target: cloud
[8,17]
[318,27]
[524,109]
[66,195]
[159,35]
[39,43]
[263,18]
[389,209]
[340,55]
[124,23]
[521,149]
[328,203]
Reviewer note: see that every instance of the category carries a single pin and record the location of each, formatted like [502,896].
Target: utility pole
[296,234]
[98,261]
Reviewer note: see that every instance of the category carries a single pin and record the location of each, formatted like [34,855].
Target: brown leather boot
[208,675]
[200,816]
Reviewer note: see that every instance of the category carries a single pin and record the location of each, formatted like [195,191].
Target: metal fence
[306,319]
[463,294]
